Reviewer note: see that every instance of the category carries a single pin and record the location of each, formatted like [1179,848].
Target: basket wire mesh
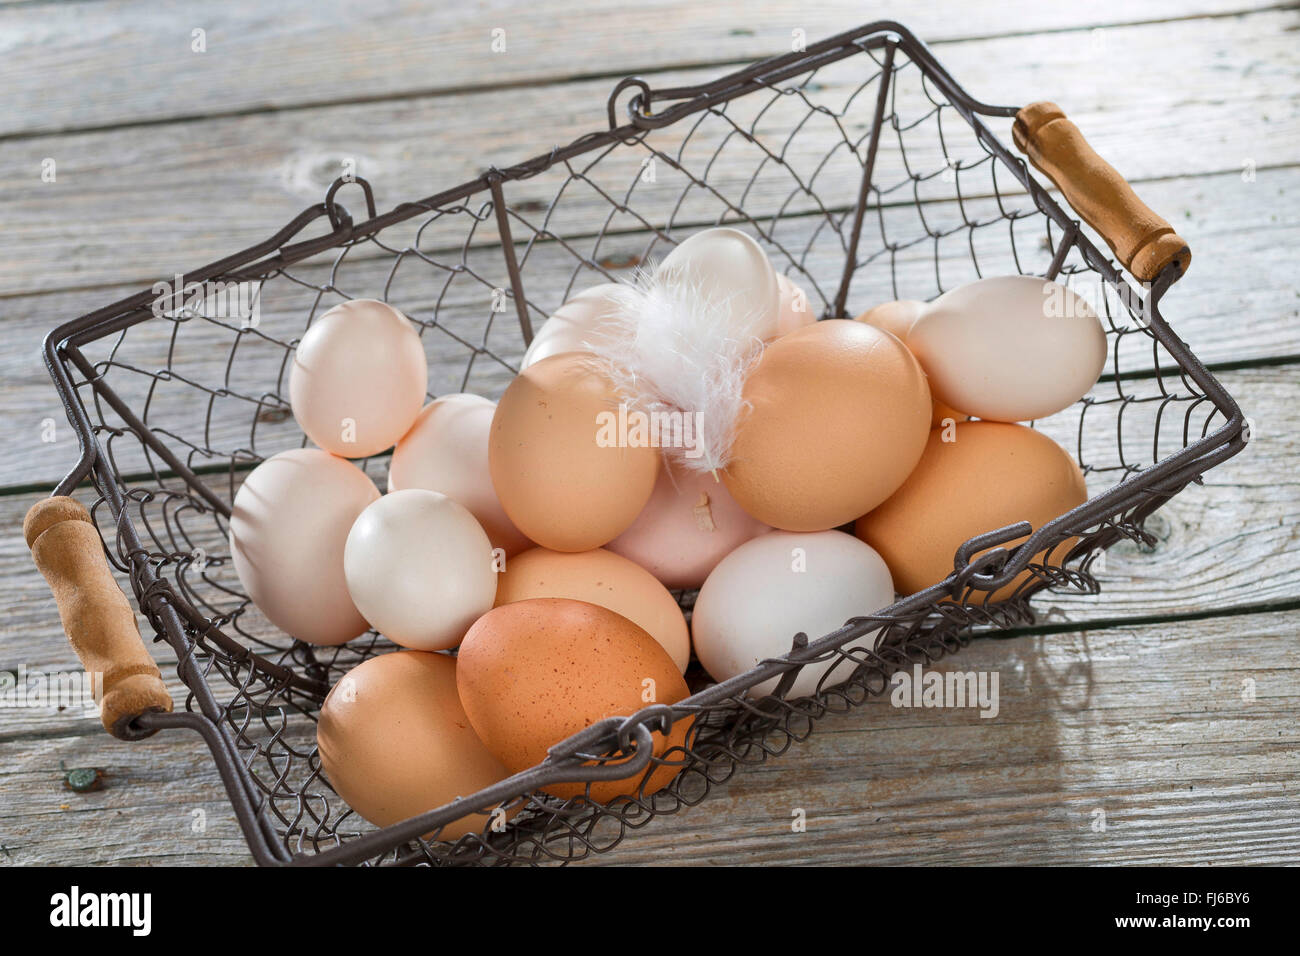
[866,173]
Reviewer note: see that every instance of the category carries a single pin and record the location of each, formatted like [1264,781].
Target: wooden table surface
[1128,709]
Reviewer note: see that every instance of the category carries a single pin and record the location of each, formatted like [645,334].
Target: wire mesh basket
[868,175]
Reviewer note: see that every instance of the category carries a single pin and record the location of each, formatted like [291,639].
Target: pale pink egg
[446,451]
[288,531]
[358,378]
[689,524]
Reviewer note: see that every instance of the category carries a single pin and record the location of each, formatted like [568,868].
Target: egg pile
[863,453]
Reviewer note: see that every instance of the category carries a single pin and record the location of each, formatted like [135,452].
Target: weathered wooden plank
[1242,516]
[128,205]
[162,803]
[1136,723]
[320,52]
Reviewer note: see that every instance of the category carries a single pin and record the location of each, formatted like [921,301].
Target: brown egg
[537,671]
[990,476]
[605,578]
[557,479]
[394,741]
[896,318]
[839,411]
[940,414]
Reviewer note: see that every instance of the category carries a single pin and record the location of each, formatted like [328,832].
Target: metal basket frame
[729,729]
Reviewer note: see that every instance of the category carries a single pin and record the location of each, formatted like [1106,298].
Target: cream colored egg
[777,585]
[446,451]
[288,530]
[1009,348]
[732,273]
[420,569]
[358,378]
[574,324]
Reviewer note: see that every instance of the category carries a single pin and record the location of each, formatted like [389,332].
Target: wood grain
[139,57]
[1127,721]
[128,206]
[156,792]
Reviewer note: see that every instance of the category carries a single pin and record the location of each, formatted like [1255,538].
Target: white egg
[420,568]
[778,584]
[288,530]
[573,323]
[732,273]
[1009,348]
[446,450]
[358,378]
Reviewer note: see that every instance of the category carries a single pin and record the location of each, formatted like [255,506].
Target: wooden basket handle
[96,615]
[1140,239]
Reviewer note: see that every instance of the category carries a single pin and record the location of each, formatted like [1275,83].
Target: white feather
[668,347]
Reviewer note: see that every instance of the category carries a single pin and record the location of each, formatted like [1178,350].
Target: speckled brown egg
[534,672]
[559,478]
[989,476]
[394,741]
[839,413]
[605,578]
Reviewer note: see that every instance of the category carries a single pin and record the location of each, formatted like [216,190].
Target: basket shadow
[915,776]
